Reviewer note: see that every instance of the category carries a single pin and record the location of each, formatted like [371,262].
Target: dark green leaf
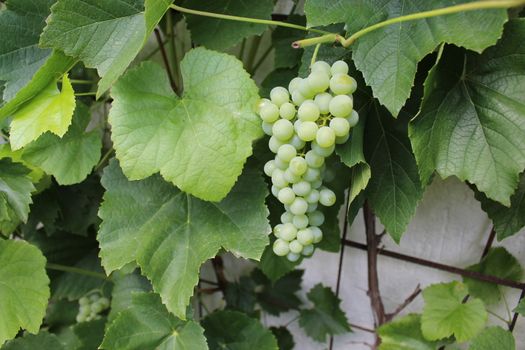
[284,338]
[279,296]
[40,341]
[240,295]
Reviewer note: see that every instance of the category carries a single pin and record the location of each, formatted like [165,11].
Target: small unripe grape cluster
[91,306]
[304,123]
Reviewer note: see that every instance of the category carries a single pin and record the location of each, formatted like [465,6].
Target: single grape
[275,191]
[297,142]
[96,307]
[298,166]
[327,197]
[83,301]
[318,234]
[274,143]
[316,218]
[321,66]
[339,67]
[311,207]
[312,174]
[318,81]
[294,84]
[305,236]
[342,139]
[299,206]
[323,102]
[312,197]
[308,111]
[307,131]
[325,137]
[288,232]
[293,257]
[280,164]
[269,112]
[267,128]
[269,167]
[277,230]
[279,95]
[353,119]
[286,195]
[278,178]
[296,247]
[341,106]
[300,221]
[291,177]
[282,129]
[308,250]
[280,247]
[297,97]
[340,126]
[104,302]
[305,89]
[286,152]
[322,151]
[313,159]
[302,188]
[287,111]
[287,217]
[342,84]
[317,184]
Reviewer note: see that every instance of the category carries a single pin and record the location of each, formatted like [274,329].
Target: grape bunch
[91,306]
[304,123]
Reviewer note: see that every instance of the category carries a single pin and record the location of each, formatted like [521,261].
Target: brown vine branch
[218,267]
[512,324]
[405,303]
[165,59]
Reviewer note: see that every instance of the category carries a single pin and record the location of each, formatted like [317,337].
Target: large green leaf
[507,220]
[235,330]
[200,141]
[500,263]
[445,314]
[325,317]
[15,189]
[172,233]
[70,158]
[125,285]
[471,122]
[388,57]
[50,110]
[24,288]
[106,34]
[221,34]
[40,341]
[493,338]
[146,324]
[404,334]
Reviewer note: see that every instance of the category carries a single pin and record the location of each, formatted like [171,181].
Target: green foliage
[284,338]
[404,334]
[493,338]
[43,340]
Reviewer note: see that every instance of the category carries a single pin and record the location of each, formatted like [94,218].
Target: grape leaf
[471,122]
[235,330]
[15,188]
[24,290]
[388,56]
[507,220]
[173,233]
[404,334]
[285,56]
[125,285]
[71,158]
[89,334]
[500,263]
[279,296]
[50,110]
[493,338]
[445,314]
[221,34]
[41,341]
[240,295]
[284,338]
[146,324]
[520,308]
[326,317]
[106,35]
[200,141]
[273,266]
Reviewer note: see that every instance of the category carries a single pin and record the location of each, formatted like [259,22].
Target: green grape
[340,126]
[302,188]
[267,128]
[311,207]
[297,124]
[353,119]
[287,111]
[96,308]
[286,195]
[321,66]
[280,247]
[287,217]
[312,197]
[94,297]
[104,302]
[305,89]
[322,151]
[300,221]
[279,95]
[278,179]
[307,131]
[291,177]
[299,206]
[342,139]
[316,218]
[314,160]
[294,84]
[312,174]
[339,67]
[286,152]
[317,184]
[341,106]
[318,81]
[277,230]
[293,257]
[269,167]
[305,236]
[283,129]
[288,232]
[342,84]
[297,97]
[318,234]
[298,166]
[269,112]
[297,142]
[295,247]
[83,301]
[308,250]
[323,102]
[275,191]
[274,144]
[327,197]
[308,111]
[280,164]
[325,137]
